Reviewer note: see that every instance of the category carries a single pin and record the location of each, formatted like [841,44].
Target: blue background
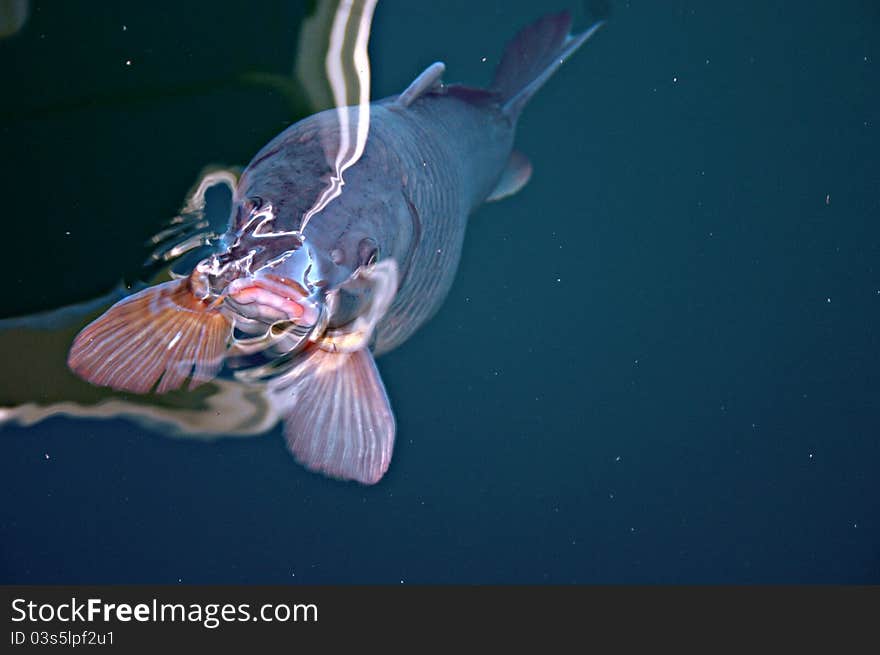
[658,362]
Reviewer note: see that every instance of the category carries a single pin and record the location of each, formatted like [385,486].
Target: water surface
[658,362]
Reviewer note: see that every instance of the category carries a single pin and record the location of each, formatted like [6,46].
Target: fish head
[285,286]
[265,292]
[272,287]
[272,269]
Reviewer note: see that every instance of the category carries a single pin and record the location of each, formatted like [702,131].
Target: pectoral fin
[515,176]
[162,335]
[337,417]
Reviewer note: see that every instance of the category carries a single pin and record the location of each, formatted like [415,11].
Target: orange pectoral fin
[162,334]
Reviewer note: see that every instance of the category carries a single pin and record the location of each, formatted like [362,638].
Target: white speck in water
[811,455]
[46,455]
[675,79]
[128,62]
[67,233]
[828,300]
[125,28]
[617,459]
[483,60]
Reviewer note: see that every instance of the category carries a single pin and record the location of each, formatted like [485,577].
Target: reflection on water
[348,71]
[191,228]
[13,16]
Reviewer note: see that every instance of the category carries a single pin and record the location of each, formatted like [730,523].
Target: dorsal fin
[427,81]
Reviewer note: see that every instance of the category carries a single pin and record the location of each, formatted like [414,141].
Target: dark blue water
[658,363]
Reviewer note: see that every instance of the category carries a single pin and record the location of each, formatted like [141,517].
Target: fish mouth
[270,299]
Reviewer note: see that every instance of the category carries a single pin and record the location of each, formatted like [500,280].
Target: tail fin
[533,56]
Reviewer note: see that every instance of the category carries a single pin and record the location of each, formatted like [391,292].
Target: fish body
[425,168]
[331,259]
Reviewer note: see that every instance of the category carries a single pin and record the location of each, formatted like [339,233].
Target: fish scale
[436,173]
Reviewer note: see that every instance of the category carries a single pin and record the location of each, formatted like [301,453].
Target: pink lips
[272,294]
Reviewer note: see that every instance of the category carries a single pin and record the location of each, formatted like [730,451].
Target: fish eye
[368,252]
